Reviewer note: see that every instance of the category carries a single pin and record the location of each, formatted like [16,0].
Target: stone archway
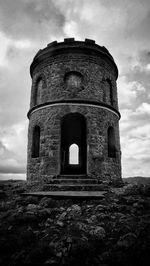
[73,133]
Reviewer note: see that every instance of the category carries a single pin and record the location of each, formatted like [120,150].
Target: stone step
[73,181]
[68,194]
[74,187]
[72,177]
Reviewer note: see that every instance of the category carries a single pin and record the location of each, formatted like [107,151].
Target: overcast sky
[122,26]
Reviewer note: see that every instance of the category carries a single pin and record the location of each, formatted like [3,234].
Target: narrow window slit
[36,142]
[111,143]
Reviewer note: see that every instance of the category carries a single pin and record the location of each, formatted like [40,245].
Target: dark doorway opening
[73,144]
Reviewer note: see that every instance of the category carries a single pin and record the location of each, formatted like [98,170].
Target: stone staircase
[71,187]
[74,183]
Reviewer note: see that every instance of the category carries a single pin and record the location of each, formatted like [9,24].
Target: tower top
[70,45]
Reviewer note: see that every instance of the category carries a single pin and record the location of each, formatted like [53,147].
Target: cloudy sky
[123,26]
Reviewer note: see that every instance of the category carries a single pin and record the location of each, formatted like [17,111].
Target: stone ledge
[67,194]
[76,101]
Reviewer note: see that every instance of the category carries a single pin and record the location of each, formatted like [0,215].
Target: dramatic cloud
[122,26]
[30,19]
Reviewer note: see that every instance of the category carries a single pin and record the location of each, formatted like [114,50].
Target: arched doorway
[73,144]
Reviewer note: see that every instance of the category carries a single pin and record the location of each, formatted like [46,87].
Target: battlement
[71,41]
[70,45]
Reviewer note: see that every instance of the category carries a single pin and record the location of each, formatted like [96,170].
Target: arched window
[109,92]
[73,79]
[111,142]
[38,91]
[36,142]
[74,154]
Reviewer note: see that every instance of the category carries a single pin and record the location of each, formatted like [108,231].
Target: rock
[62,209]
[89,206]
[92,219]
[74,211]
[2,194]
[51,262]
[44,213]
[48,202]
[98,232]
[48,222]
[59,254]
[44,231]
[4,206]
[69,240]
[127,240]
[101,208]
[20,209]
[129,200]
[60,223]
[32,207]
[146,190]
[32,200]
[127,189]
[27,218]
[102,216]
[82,227]
[62,217]
[10,228]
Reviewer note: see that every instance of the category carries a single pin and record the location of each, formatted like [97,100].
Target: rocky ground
[112,231]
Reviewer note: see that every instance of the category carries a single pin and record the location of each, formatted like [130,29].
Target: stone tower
[73,116]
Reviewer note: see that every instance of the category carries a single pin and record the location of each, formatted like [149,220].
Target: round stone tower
[73,116]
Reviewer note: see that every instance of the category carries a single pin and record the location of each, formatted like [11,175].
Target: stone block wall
[74,78]
[95,72]
[49,120]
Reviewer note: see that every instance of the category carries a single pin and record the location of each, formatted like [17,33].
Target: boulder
[48,202]
[127,240]
[74,211]
[98,233]
[32,207]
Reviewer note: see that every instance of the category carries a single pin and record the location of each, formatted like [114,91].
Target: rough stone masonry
[74,103]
